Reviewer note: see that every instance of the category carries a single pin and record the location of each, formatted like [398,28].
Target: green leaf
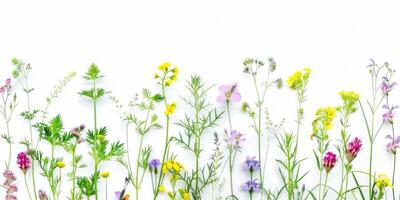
[93,73]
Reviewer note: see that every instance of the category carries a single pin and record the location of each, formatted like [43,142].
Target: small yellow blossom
[382,181]
[60,164]
[164,66]
[168,82]
[298,79]
[175,71]
[104,174]
[162,188]
[170,108]
[156,75]
[186,196]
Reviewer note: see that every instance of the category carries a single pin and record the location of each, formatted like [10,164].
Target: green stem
[106,188]
[31,138]
[137,185]
[326,180]
[95,138]
[73,172]
[27,187]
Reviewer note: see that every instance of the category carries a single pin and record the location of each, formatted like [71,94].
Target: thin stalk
[27,187]
[73,172]
[31,138]
[95,138]
[106,189]
[137,186]
[320,180]
[326,181]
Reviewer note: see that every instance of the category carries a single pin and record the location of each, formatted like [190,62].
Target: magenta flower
[353,148]
[228,93]
[235,139]
[24,163]
[393,144]
[386,87]
[388,116]
[329,161]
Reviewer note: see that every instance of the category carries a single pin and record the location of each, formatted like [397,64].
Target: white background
[128,40]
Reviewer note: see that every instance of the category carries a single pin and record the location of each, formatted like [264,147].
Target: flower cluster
[323,120]
[382,182]
[352,149]
[329,161]
[77,133]
[170,109]
[349,98]
[298,79]
[6,87]
[251,165]
[10,185]
[24,162]
[169,74]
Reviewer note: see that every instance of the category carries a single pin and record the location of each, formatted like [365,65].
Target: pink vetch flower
[393,144]
[329,161]
[11,188]
[23,161]
[386,87]
[388,116]
[235,139]
[353,148]
[229,93]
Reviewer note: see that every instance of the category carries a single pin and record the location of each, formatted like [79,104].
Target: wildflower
[118,196]
[164,66]
[60,164]
[382,182]
[104,174]
[162,188]
[235,139]
[353,148]
[329,161]
[43,195]
[184,194]
[154,164]
[251,164]
[172,166]
[156,76]
[388,116]
[251,186]
[386,86]
[9,185]
[228,93]
[298,79]
[24,163]
[349,96]
[170,109]
[393,144]
[323,120]
[168,82]
[175,71]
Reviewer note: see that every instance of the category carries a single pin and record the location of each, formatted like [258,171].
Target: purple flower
[8,81]
[386,86]
[154,164]
[393,144]
[24,163]
[388,116]
[235,139]
[251,186]
[43,195]
[329,161]
[11,188]
[228,93]
[251,164]
[353,148]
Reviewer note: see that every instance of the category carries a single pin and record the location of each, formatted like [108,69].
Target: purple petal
[236,97]
[221,98]
[389,137]
[118,195]
[398,139]
[224,88]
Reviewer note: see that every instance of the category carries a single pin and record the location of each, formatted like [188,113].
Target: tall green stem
[95,138]
[31,138]
[27,187]
[137,185]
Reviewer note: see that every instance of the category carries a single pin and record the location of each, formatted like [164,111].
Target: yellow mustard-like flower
[60,164]
[175,70]
[156,75]
[307,71]
[331,112]
[170,108]
[162,188]
[349,96]
[168,82]
[164,66]
[383,181]
[186,196]
[104,174]
[298,79]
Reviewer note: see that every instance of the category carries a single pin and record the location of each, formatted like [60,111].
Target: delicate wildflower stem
[107,189]
[27,187]
[137,184]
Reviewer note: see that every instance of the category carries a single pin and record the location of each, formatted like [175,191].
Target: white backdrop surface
[129,39]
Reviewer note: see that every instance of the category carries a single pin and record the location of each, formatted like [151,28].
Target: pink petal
[236,97]
[221,98]
[224,88]
[118,195]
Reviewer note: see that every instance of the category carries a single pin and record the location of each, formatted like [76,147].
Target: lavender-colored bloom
[23,161]
[251,164]
[8,81]
[388,116]
[43,195]
[393,144]
[154,164]
[235,139]
[228,93]
[251,186]
[386,87]
[11,188]
[329,161]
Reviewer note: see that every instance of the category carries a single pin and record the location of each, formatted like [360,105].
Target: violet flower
[154,164]
[43,195]
[393,144]
[251,186]
[251,164]
[23,161]
[388,116]
[353,148]
[235,139]
[11,188]
[228,93]
[386,87]
[329,161]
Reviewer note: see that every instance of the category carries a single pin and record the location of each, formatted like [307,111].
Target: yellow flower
[170,108]
[164,66]
[307,70]
[186,196]
[382,181]
[162,188]
[331,112]
[349,96]
[175,71]
[168,82]
[173,78]
[298,79]
[60,164]
[105,174]
[156,75]
[176,167]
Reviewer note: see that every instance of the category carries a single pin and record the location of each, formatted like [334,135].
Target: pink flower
[329,161]
[2,89]
[386,87]
[228,93]
[9,185]
[24,163]
[8,81]
[388,116]
[393,144]
[353,148]
[235,139]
